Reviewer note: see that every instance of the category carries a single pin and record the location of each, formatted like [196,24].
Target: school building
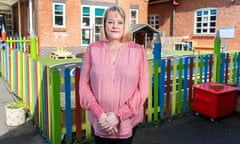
[71,24]
[196,22]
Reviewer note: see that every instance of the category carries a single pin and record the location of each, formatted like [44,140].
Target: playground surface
[191,129]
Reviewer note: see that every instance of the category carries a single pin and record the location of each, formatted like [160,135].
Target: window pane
[58,20]
[213,12]
[205,24]
[205,13]
[213,24]
[133,14]
[97,29]
[99,12]
[86,11]
[198,30]
[205,19]
[199,19]
[86,21]
[133,21]
[58,9]
[97,37]
[85,36]
[212,30]
[213,17]
[199,13]
[98,20]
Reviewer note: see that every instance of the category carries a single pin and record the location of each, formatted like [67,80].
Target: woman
[114,82]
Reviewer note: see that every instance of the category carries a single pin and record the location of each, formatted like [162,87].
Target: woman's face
[114,26]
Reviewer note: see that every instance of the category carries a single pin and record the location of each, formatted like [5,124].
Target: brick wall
[142,11]
[184,19]
[50,38]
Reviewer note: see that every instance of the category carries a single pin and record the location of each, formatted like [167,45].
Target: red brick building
[71,24]
[198,20]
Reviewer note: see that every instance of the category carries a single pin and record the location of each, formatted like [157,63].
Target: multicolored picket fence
[58,113]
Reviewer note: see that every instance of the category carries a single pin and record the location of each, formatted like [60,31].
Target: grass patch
[46,60]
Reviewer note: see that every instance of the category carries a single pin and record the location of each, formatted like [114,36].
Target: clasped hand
[109,122]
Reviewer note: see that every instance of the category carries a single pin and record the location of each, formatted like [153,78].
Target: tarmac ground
[192,129]
[185,129]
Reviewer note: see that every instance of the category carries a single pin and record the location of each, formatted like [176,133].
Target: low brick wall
[46,51]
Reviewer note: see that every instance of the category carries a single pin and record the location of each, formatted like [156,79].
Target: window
[99,12]
[85,25]
[205,21]
[134,16]
[92,24]
[59,15]
[153,20]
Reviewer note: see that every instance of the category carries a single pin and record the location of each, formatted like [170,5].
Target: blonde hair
[127,31]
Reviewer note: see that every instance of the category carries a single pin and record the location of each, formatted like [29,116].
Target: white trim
[154,16]
[91,26]
[207,21]
[63,15]
[136,18]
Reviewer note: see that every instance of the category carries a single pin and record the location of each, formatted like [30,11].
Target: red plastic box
[214,100]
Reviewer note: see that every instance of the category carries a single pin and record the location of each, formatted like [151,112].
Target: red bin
[214,100]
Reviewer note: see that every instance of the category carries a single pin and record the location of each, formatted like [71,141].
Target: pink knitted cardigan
[121,86]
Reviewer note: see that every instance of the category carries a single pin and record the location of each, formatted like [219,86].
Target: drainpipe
[175,4]
[173,20]
[19,19]
[30,19]
[35,17]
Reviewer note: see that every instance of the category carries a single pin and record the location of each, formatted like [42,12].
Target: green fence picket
[55,106]
[149,107]
[196,70]
[155,97]
[180,82]
[174,86]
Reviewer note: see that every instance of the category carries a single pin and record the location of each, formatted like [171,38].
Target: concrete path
[25,134]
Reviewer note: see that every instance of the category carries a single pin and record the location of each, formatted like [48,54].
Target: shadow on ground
[191,129]
[187,129]
[24,134]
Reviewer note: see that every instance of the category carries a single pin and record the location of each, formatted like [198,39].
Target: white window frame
[208,22]
[135,18]
[63,15]
[152,20]
[92,24]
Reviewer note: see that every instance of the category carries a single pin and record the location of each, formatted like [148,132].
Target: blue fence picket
[206,63]
[185,84]
[162,88]
[238,68]
[67,83]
